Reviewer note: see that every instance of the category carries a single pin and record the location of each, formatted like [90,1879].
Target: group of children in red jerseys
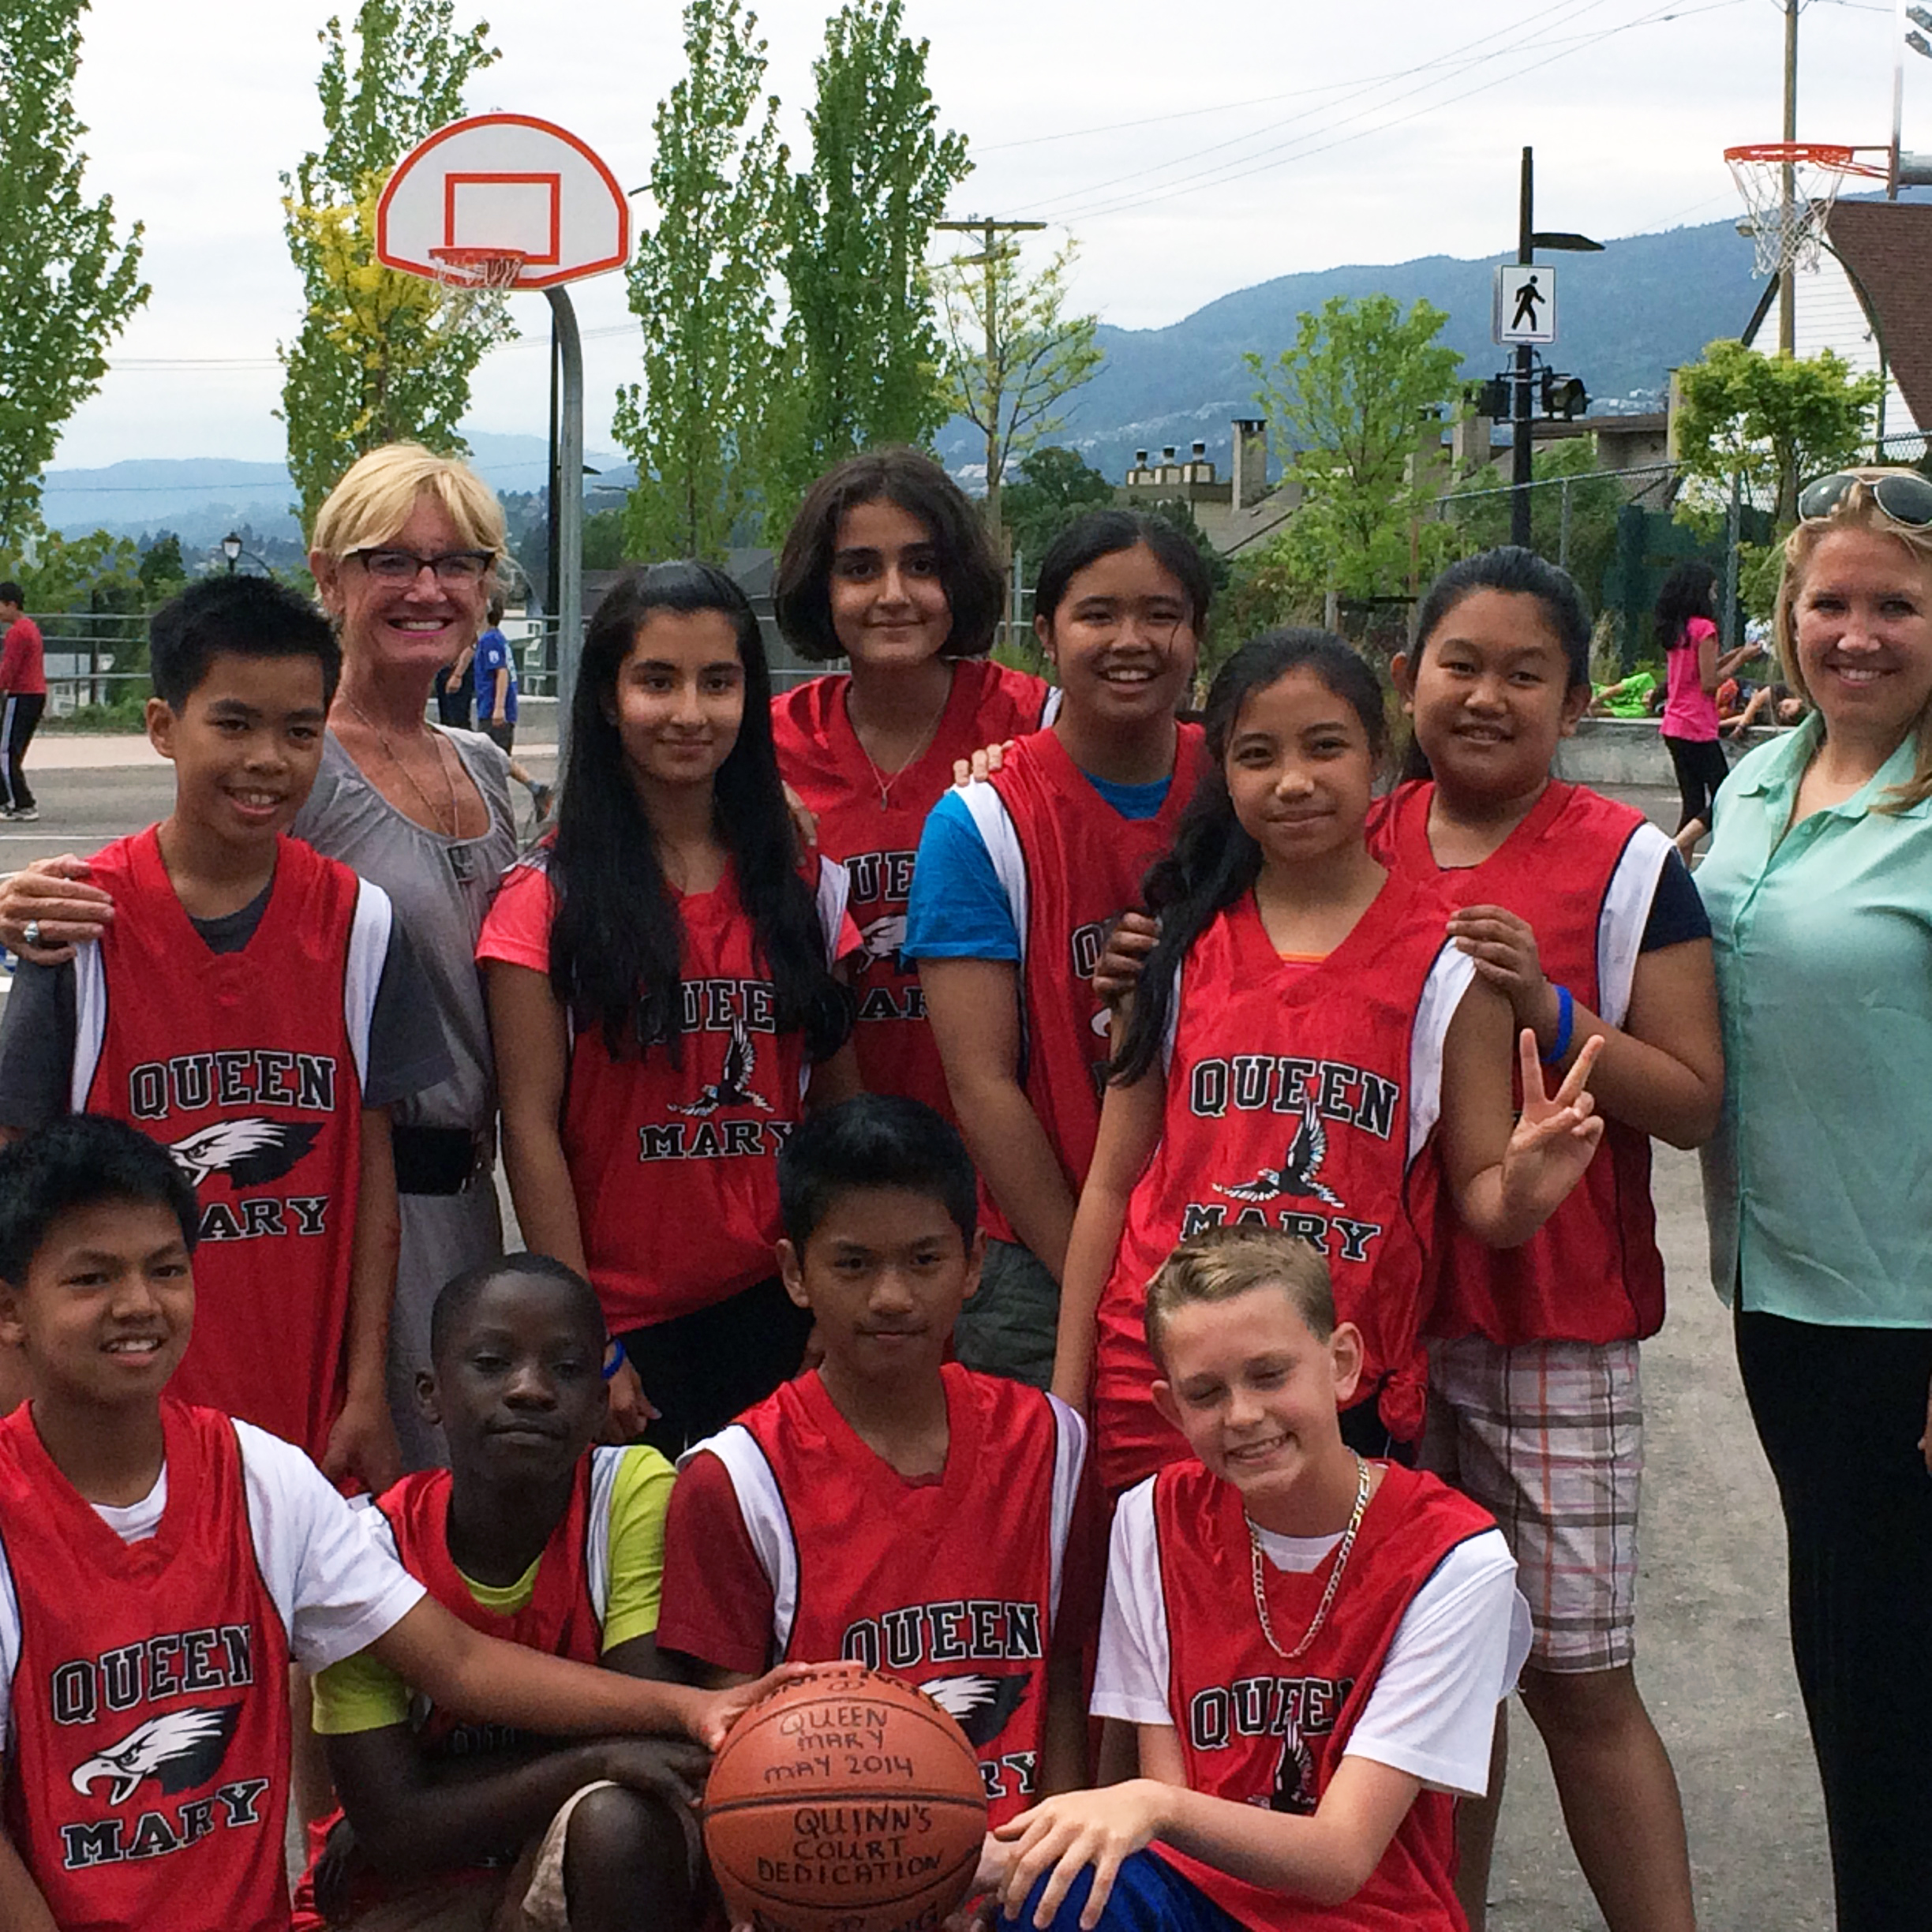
[1306,1186]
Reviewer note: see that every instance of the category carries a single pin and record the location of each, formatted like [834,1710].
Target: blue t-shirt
[493,655]
[959,909]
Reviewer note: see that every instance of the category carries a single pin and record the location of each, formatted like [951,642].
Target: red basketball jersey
[147,1771]
[1257,1729]
[1070,865]
[564,1617]
[871,825]
[248,1067]
[1298,1097]
[675,1167]
[1583,870]
[953,1585]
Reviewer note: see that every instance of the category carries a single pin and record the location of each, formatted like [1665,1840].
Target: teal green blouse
[1818,1186]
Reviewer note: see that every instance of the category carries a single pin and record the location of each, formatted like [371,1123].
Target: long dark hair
[969,567]
[1689,591]
[1214,861]
[617,941]
[1103,533]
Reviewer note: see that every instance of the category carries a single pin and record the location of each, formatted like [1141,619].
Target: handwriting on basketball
[846,1738]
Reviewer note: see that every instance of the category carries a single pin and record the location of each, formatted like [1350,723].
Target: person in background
[23,697]
[494,673]
[453,692]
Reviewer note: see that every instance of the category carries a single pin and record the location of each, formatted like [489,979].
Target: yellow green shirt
[362,1694]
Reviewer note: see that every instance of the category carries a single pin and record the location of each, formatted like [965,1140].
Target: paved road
[1712,1656]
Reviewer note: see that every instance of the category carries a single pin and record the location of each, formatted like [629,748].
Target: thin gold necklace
[409,777]
[1334,1575]
[878,777]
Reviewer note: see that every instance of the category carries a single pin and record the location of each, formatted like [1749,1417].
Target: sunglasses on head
[1903,496]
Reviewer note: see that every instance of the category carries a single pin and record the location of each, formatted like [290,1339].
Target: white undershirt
[1431,1712]
[135,1522]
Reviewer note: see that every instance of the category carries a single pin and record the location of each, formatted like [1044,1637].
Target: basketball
[845,1803]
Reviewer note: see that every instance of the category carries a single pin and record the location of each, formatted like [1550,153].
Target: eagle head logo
[881,940]
[251,1150]
[978,1703]
[179,1751]
[1294,1776]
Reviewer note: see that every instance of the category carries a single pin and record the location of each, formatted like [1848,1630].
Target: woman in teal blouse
[1818,1185]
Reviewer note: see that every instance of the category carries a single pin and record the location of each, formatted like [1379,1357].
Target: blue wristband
[1566,1025]
[617,1361]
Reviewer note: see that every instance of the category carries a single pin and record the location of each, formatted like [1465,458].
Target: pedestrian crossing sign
[1524,305]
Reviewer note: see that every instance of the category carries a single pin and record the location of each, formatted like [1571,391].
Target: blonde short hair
[378,493]
[1857,509]
[1222,1263]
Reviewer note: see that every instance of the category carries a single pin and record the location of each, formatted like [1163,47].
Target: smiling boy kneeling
[1310,1647]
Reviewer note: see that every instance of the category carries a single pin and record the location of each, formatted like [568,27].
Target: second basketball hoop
[1789,188]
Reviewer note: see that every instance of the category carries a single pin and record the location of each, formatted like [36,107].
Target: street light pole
[1519,397]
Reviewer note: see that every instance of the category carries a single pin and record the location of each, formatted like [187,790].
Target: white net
[474,281]
[1788,190]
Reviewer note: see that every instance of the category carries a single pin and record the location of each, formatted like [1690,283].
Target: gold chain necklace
[878,777]
[409,777]
[1334,1575]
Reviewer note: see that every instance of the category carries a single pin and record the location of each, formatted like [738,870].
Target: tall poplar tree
[865,354]
[70,284]
[702,285]
[380,355]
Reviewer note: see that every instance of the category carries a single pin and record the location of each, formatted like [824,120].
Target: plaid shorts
[1549,1438]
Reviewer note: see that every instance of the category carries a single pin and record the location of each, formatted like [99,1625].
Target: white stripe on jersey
[90,1022]
[834,891]
[997,833]
[369,947]
[1051,710]
[1449,979]
[1626,912]
[1069,1458]
[1171,1032]
[9,1645]
[604,1464]
[761,1506]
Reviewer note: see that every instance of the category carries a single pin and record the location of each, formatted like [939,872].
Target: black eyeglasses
[398,566]
[1903,495]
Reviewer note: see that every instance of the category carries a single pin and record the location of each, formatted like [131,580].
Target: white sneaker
[24,812]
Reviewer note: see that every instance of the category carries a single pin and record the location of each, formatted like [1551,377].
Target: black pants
[20,712]
[1840,1412]
[701,1369]
[501,732]
[1702,768]
[452,695]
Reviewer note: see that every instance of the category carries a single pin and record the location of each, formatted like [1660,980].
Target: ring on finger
[31,932]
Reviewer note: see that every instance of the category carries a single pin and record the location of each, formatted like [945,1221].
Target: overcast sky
[1193,147]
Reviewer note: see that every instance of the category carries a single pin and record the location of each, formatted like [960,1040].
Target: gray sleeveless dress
[441,887]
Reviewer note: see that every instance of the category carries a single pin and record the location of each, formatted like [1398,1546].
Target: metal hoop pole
[569,510]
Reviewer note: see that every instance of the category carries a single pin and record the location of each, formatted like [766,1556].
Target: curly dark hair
[969,567]
[1690,590]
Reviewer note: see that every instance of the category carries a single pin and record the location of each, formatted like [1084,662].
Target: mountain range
[1625,318]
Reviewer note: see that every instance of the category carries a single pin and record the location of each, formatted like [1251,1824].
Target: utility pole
[1788,279]
[993,251]
[1520,452]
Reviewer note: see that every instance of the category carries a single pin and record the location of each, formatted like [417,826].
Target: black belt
[438,1160]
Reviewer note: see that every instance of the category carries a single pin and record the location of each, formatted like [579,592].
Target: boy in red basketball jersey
[1017,881]
[533,1536]
[890,1507]
[1310,1647]
[160,1564]
[255,1007]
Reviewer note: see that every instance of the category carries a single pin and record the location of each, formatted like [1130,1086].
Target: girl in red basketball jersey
[1300,1028]
[889,566]
[1576,908]
[664,997]
[1019,879]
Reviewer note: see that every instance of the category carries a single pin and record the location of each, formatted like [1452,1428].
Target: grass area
[124,714]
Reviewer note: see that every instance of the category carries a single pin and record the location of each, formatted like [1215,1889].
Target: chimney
[1249,476]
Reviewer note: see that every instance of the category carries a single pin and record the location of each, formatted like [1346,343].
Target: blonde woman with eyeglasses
[1818,1186]
[405,554]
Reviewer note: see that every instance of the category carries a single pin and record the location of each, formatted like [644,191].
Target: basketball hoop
[1788,232]
[469,276]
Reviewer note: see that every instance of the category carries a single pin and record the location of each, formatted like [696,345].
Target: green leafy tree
[863,351]
[1053,486]
[1358,400]
[70,284]
[380,355]
[162,570]
[701,285]
[1012,354]
[1773,419]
